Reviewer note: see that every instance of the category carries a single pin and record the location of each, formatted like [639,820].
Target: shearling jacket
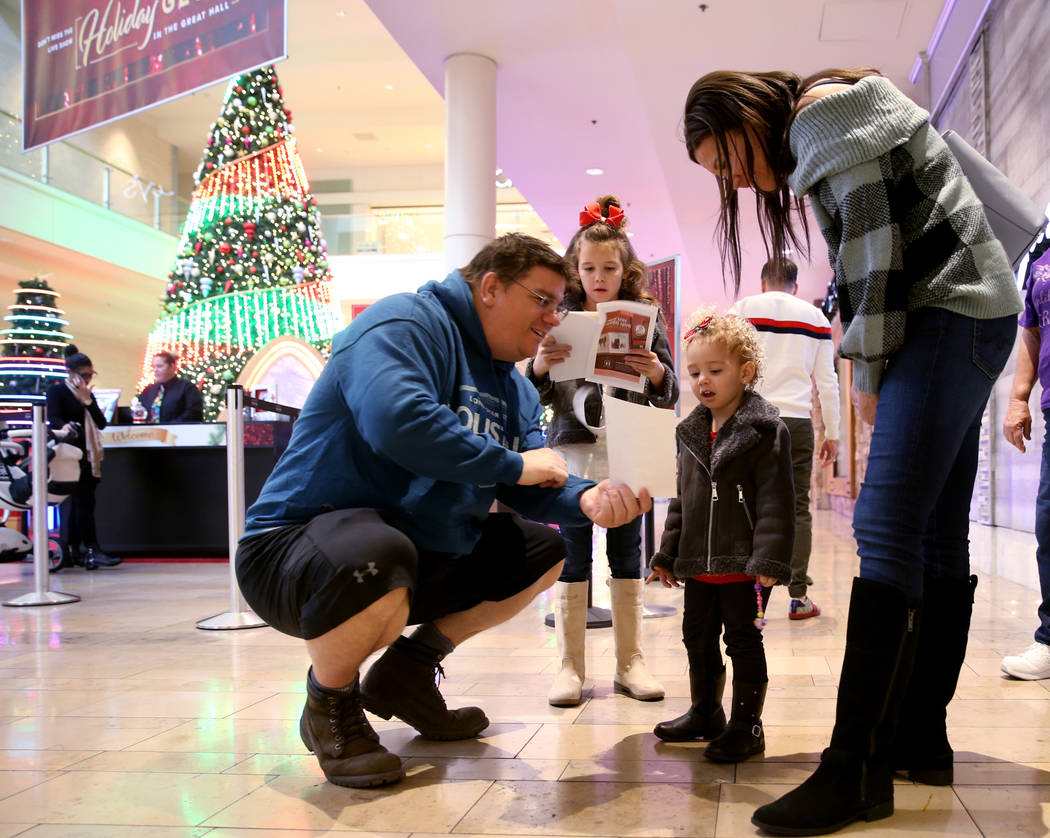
[566,429]
[735,510]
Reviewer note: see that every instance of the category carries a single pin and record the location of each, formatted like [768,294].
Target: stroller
[16,485]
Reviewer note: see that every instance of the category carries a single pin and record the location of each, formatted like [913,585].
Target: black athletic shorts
[306,579]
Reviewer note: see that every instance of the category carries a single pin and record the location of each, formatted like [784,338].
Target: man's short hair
[512,256]
[781,273]
[169,357]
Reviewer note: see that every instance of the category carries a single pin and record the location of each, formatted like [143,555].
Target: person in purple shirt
[1033,360]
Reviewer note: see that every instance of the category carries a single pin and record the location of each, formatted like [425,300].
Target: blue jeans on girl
[622,544]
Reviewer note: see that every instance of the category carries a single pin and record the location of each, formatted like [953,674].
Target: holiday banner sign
[89,62]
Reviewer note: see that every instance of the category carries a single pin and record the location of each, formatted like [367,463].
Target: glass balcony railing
[368,229]
[416,230]
[72,169]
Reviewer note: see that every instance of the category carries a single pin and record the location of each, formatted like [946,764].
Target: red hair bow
[592,214]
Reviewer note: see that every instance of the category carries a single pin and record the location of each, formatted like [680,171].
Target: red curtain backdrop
[88,62]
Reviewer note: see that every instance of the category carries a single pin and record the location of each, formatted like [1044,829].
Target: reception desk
[163,489]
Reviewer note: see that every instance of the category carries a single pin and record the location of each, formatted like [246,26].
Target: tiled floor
[119,719]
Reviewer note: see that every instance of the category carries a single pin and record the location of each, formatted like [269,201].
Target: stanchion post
[41,560]
[239,616]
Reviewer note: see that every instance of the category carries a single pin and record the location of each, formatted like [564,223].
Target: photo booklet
[599,340]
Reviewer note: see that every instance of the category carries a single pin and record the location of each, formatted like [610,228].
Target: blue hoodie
[412,416]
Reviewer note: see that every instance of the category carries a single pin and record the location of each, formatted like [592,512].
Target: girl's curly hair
[735,333]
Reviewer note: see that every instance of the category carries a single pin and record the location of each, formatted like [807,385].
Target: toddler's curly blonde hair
[735,333]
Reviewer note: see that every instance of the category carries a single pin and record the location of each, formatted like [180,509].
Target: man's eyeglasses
[548,304]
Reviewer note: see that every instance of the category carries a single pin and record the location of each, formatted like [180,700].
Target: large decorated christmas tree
[251,265]
[32,348]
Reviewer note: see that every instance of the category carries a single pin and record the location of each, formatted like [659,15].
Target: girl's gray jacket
[566,429]
[735,510]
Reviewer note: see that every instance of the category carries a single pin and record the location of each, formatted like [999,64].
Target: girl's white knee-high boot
[570,626]
[632,676]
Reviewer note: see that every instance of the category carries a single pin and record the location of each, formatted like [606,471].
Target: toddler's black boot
[705,718]
[743,737]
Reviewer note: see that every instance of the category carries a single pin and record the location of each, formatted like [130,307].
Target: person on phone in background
[71,401]
[602,266]
[796,341]
[928,304]
[1033,362]
[171,399]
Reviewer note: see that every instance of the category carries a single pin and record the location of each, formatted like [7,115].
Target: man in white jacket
[796,338]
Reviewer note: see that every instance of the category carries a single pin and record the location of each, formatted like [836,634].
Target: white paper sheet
[579,329]
[641,444]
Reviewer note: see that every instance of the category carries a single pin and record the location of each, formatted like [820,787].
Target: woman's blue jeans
[912,517]
[622,544]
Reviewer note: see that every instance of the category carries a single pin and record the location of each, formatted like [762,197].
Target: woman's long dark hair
[759,107]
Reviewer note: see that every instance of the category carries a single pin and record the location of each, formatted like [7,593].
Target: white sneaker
[1033,664]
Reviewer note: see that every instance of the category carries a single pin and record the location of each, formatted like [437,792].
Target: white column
[470,156]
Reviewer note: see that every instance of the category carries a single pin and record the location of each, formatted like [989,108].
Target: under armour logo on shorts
[360,575]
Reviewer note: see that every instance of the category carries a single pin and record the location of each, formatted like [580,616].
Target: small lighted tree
[32,347]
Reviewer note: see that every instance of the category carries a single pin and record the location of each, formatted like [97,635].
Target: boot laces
[439,675]
[346,718]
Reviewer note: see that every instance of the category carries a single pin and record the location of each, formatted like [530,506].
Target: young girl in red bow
[602,267]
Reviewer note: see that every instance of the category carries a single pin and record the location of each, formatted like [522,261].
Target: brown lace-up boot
[333,726]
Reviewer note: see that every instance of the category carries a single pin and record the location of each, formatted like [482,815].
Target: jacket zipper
[711,522]
[747,512]
[711,508]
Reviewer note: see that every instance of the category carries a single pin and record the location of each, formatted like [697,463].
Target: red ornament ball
[228,220]
[252,269]
[224,248]
[219,269]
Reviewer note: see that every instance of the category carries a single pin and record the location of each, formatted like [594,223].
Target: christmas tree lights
[251,265]
[32,350]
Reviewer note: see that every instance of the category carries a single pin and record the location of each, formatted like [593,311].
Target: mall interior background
[370,128]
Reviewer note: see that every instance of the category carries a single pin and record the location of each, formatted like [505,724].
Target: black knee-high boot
[854,780]
[920,747]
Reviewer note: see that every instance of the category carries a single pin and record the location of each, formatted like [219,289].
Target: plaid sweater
[903,226]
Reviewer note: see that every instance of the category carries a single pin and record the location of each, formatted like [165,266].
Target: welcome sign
[89,62]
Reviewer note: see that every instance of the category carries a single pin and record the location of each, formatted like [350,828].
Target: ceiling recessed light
[428,145]
[319,150]
[388,87]
[595,171]
[340,13]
